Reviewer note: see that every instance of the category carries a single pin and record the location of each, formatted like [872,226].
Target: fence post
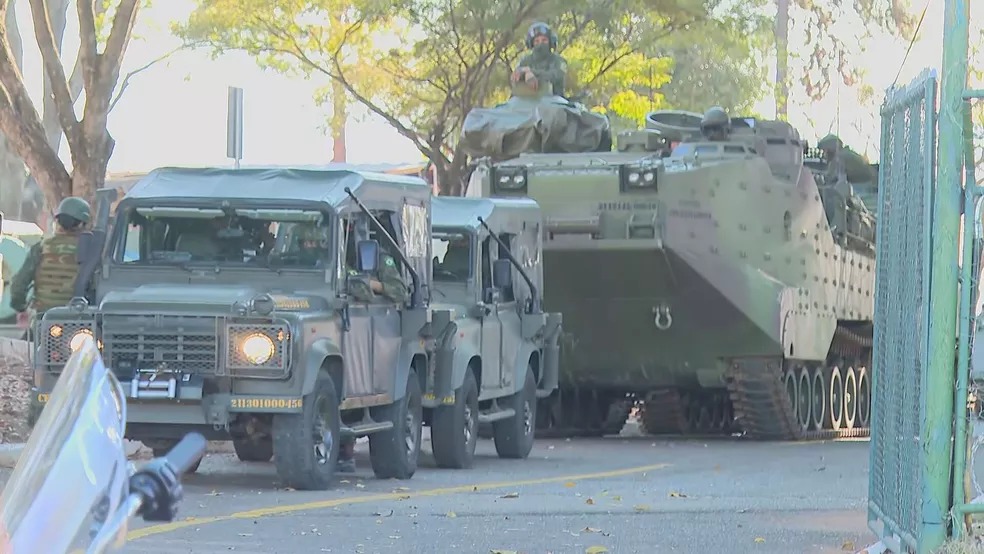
[947,201]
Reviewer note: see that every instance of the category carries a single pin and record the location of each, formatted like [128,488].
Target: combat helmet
[76,208]
[541,28]
[830,141]
[715,117]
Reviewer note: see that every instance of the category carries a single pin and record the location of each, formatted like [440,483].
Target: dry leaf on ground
[759,539]
[596,550]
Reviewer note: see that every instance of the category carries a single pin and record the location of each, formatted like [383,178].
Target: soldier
[312,245]
[51,265]
[715,125]
[365,288]
[855,166]
[542,64]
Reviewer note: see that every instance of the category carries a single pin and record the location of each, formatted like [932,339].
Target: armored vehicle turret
[706,275]
[534,121]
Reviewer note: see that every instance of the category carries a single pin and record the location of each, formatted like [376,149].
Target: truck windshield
[452,256]
[232,238]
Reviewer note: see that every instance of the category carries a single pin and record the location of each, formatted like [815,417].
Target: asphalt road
[626,494]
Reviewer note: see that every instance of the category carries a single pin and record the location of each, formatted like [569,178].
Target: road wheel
[836,399]
[162,447]
[514,436]
[394,453]
[305,445]
[850,398]
[254,450]
[454,430]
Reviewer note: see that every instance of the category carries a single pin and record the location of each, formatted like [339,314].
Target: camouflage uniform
[855,166]
[52,264]
[394,288]
[547,65]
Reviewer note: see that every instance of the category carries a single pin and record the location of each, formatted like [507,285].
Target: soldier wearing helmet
[51,265]
[856,168]
[715,125]
[542,65]
[311,244]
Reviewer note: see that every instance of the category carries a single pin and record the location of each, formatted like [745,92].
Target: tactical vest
[56,270]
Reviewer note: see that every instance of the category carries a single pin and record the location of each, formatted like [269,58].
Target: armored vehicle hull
[707,286]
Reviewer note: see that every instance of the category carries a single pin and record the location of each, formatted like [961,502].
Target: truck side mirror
[368,258]
[502,274]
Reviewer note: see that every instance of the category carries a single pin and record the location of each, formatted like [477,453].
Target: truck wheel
[161,449]
[454,430]
[254,450]
[514,436]
[305,445]
[394,453]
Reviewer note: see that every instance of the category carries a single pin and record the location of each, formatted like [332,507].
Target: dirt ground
[15,384]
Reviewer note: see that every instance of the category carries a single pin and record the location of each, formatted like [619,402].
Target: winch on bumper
[181,370]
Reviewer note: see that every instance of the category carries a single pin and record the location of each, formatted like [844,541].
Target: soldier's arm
[21,282]
[525,61]
[392,283]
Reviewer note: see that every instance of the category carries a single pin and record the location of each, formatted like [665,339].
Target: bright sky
[175,113]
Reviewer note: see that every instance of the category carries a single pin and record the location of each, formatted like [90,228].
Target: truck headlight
[78,339]
[258,348]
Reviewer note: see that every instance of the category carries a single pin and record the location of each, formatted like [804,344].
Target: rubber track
[664,413]
[760,402]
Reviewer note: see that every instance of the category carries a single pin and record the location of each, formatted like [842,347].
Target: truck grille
[133,343]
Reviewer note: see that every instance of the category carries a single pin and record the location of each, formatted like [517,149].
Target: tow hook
[662,317]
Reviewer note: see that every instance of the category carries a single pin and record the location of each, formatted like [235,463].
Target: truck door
[510,323]
[491,326]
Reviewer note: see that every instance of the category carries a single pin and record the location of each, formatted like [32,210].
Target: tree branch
[88,59]
[119,38]
[56,76]
[145,67]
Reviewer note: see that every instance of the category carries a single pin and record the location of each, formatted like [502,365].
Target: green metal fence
[902,297]
[923,315]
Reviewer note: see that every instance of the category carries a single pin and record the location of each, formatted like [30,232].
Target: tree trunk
[339,118]
[782,59]
[13,173]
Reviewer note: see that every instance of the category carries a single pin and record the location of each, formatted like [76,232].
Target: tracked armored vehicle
[719,285]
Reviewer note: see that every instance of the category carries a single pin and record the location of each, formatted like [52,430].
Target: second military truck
[226,303]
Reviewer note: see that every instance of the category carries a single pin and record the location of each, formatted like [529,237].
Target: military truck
[217,319]
[713,283]
[498,350]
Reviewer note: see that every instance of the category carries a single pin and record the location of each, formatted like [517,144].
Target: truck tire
[514,436]
[454,429]
[305,445]
[254,450]
[162,448]
[394,453]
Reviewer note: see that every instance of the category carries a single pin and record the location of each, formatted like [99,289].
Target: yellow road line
[321,504]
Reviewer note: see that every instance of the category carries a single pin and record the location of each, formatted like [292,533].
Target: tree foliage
[104,33]
[424,65]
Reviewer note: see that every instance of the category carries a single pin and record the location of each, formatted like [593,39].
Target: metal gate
[901,353]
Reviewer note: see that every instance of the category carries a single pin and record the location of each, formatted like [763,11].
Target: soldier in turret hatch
[542,65]
[855,166]
[715,125]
